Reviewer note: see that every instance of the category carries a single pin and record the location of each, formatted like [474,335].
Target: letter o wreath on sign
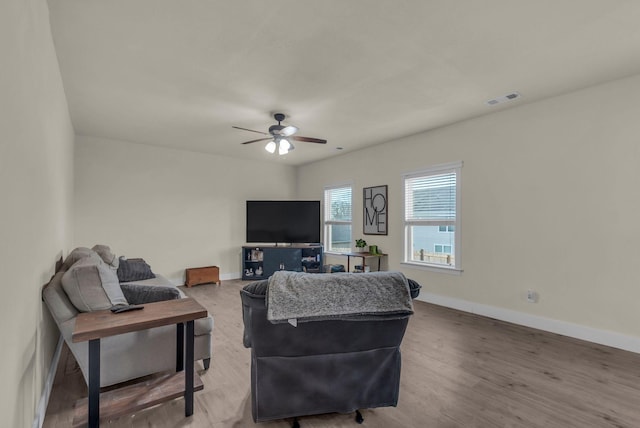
[375,205]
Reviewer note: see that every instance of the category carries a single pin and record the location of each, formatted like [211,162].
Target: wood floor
[458,370]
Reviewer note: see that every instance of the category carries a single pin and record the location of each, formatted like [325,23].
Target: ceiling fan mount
[280,130]
[279,136]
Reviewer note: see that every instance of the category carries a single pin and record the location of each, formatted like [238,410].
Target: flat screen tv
[292,222]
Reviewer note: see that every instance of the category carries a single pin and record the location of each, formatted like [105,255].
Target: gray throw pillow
[134,270]
[138,294]
[91,286]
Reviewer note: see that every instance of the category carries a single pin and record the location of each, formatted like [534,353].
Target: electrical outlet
[532,296]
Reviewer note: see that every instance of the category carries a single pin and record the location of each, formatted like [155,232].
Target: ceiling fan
[280,136]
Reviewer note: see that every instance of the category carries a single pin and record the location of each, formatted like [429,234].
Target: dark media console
[260,262]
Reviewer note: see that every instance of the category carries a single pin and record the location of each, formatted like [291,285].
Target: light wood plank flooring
[458,370]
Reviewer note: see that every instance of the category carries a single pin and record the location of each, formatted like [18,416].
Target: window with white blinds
[337,219]
[431,220]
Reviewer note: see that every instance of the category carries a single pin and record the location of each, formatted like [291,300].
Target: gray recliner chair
[337,364]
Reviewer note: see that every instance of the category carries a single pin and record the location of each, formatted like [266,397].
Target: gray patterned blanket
[299,297]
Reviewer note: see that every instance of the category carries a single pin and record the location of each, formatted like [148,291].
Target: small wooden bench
[202,275]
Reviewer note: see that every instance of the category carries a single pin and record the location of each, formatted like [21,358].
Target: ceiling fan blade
[309,140]
[251,130]
[259,139]
[288,130]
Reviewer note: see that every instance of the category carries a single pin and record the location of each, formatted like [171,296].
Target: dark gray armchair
[324,366]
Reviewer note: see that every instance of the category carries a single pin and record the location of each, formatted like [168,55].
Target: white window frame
[455,167]
[329,223]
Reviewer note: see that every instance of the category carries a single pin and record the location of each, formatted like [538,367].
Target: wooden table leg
[189,372]
[94,383]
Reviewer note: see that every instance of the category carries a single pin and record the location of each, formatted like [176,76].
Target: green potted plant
[360,245]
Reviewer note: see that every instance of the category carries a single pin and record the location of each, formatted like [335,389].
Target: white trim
[338,253]
[435,169]
[228,276]
[433,268]
[176,281]
[458,231]
[326,224]
[41,411]
[577,331]
[339,185]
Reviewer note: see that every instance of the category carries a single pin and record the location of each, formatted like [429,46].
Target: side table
[364,258]
[92,326]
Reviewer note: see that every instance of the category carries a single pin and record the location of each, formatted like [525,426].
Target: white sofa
[125,356]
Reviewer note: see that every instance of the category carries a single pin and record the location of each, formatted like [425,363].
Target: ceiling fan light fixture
[270,147]
[279,137]
[283,147]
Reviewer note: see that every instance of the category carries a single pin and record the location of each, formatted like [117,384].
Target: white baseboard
[577,331]
[41,411]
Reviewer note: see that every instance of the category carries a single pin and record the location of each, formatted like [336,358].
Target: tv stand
[261,261]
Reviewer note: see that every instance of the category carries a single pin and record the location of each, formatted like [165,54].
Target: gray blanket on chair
[299,297]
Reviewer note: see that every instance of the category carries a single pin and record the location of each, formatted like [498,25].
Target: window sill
[434,268]
[336,253]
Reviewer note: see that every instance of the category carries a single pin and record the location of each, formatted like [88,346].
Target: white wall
[174,208]
[550,201]
[36,184]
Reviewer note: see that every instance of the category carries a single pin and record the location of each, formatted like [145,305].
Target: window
[442,249]
[337,219]
[431,220]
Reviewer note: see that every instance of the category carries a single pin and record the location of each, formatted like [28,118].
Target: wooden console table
[92,326]
[364,256]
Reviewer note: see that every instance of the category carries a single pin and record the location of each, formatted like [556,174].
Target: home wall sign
[375,210]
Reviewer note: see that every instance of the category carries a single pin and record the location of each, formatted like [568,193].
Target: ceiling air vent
[509,97]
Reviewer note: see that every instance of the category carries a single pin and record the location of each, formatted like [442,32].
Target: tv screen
[283,221]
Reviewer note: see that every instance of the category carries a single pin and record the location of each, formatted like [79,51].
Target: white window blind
[431,199]
[432,218]
[338,204]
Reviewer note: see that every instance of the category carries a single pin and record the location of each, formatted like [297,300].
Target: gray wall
[549,202]
[174,208]
[36,185]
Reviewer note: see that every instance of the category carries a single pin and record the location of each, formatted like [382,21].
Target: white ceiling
[355,72]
